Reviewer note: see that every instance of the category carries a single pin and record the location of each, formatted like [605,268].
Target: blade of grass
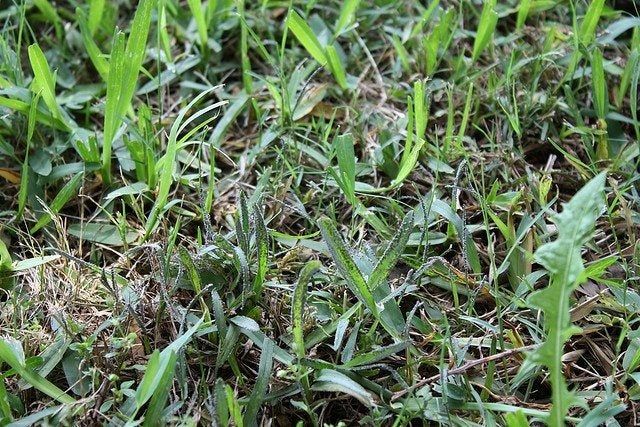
[44,81]
[260,389]
[11,353]
[486,28]
[346,265]
[303,32]
[124,66]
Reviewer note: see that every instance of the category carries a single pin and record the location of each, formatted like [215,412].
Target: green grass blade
[195,6]
[96,11]
[486,28]
[587,30]
[227,118]
[392,253]
[11,353]
[306,37]
[153,414]
[336,67]
[347,267]
[600,96]
[65,194]
[112,114]
[346,166]
[99,62]
[260,388]
[347,15]
[124,66]
[298,303]
[167,163]
[262,243]
[44,80]
[420,111]
[523,12]
[24,180]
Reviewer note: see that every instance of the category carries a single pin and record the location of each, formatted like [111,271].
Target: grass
[319,213]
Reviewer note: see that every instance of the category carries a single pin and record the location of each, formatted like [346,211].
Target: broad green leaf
[107,234]
[306,37]
[28,263]
[245,322]
[307,101]
[334,381]
[587,30]
[562,259]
